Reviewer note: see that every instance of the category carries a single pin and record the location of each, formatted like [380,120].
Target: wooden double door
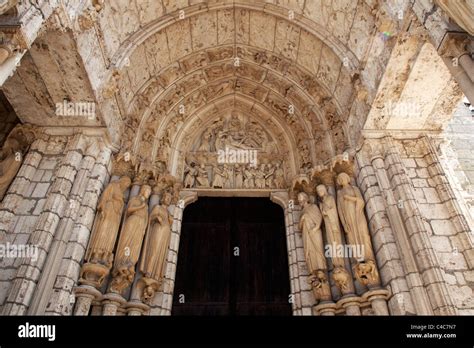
[232,259]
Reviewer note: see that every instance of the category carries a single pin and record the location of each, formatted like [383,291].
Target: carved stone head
[321,191]
[145,191]
[343,179]
[125,182]
[303,199]
[166,199]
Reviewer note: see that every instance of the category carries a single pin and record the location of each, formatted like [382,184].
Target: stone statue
[239,178]
[249,182]
[260,177]
[219,177]
[99,255]
[190,177]
[279,180]
[155,247]
[202,177]
[334,238]
[350,205]
[310,225]
[130,241]
[269,177]
[11,158]
[228,177]
[206,142]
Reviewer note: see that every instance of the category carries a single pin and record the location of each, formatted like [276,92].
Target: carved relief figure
[279,180]
[190,178]
[249,182]
[351,205]
[260,177]
[202,177]
[99,255]
[228,176]
[310,225]
[206,142]
[269,177]
[239,178]
[334,237]
[155,247]
[130,241]
[219,177]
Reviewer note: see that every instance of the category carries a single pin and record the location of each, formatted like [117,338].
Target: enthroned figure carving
[310,225]
[99,255]
[130,241]
[155,248]
[350,204]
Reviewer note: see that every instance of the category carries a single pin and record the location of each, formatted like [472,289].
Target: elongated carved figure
[310,225]
[155,248]
[99,255]
[130,241]
[350,205]
[334,239]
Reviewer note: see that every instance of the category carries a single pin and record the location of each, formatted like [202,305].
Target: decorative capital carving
[11,40]
[124,164]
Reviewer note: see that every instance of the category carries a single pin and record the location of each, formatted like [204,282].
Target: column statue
[99,255]
[130,241]
[310,225]
[350,205]
[328,208]
[155,248]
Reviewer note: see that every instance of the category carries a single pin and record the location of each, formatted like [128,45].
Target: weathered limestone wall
[51,204]
[458,159]
[423,243]
[448,230]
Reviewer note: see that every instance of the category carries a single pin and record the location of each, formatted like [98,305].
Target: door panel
[218,279]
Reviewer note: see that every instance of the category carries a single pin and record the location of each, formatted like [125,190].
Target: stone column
[431,272]
[391,249]
[136,308]
[446,194]
[111,302]
[378,300]
[351,305]
[45,229]
[393,214]
[85,294]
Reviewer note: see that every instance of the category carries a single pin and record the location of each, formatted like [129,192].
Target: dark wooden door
[232,259]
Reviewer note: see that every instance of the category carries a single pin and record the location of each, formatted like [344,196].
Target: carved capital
[11,40]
